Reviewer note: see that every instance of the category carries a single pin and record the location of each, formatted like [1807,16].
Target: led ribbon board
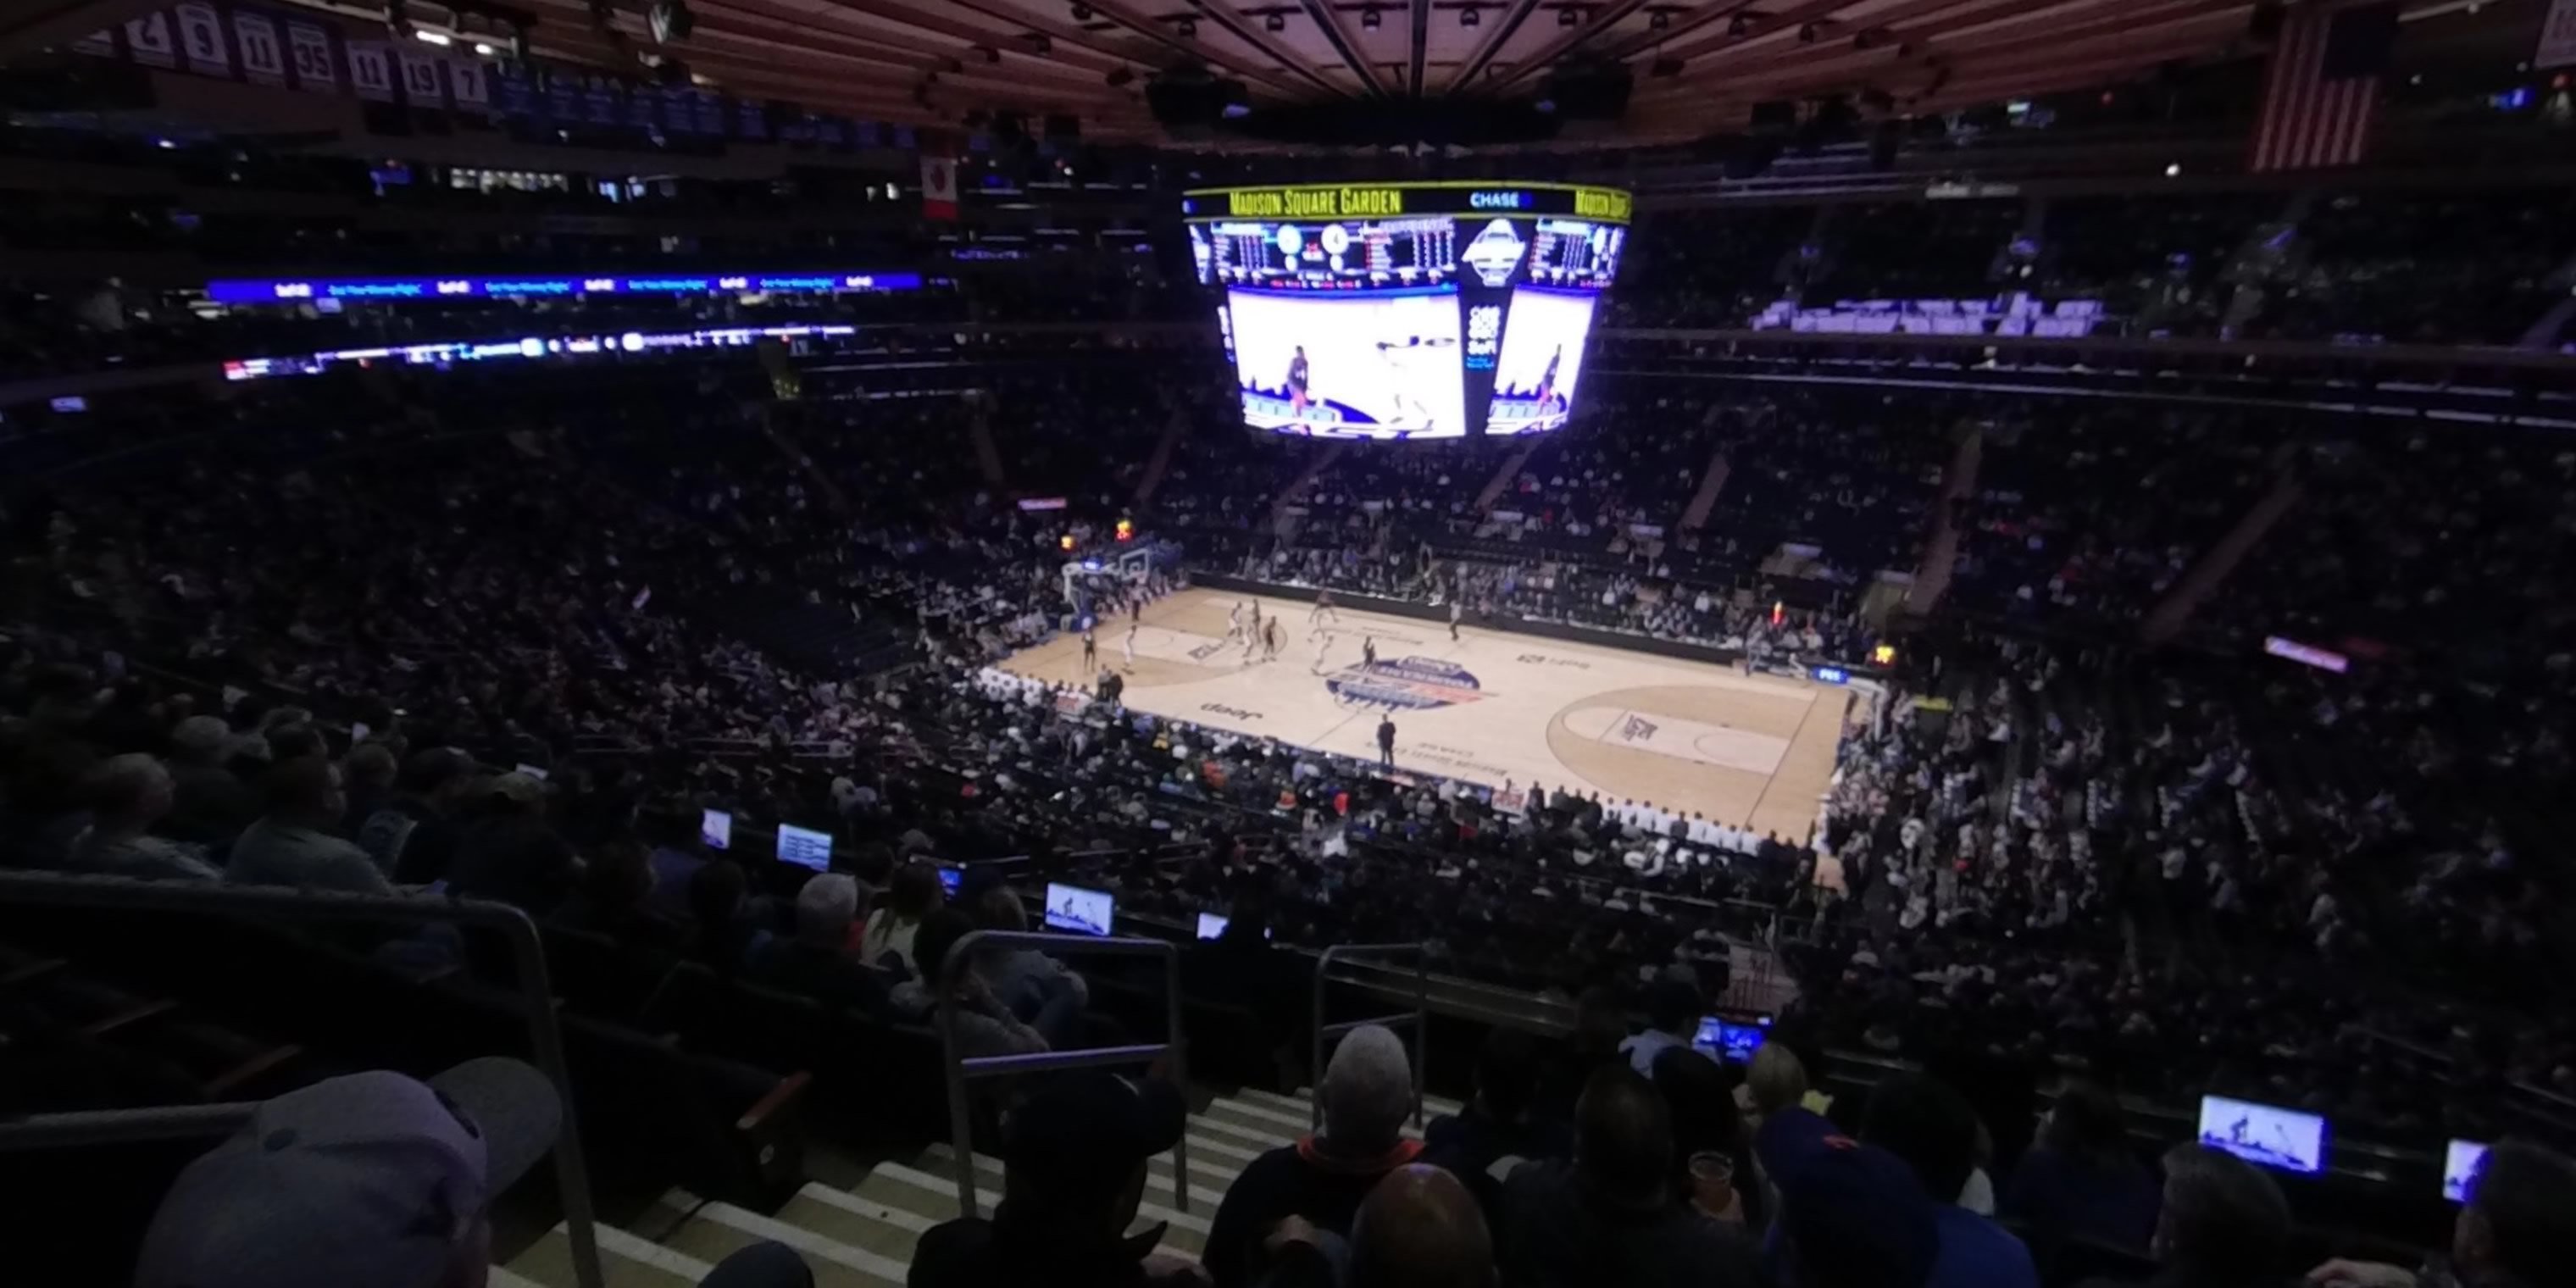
[397,290]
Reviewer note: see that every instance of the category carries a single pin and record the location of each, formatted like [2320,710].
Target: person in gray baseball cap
[375,1180]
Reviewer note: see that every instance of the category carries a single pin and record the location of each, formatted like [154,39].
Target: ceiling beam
[1755,29]
[1418,44]
[1549,54]
[1250,33]
[1928,44]
[1329,21]
[1141,24]
[1086,50]
[1491,45]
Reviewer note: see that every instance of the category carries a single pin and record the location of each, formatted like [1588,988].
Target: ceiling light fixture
[1739,26]
[1659,19]
[1276,22]
[1467,17]
[1368,19]
[1567,17]
[1189,29]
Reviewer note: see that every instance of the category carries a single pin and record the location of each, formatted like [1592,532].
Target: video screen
[2460,1166]
[1072,908]
[2264,1134]
[715,829]
[1383,252]
[804,847]
[1212,926]
[1729,1040]
[1542,359]
[951,879]
[1575,252]
[1363,365]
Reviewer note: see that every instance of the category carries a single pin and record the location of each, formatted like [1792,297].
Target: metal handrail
[1419,1021]
[536,993]
[960,1069]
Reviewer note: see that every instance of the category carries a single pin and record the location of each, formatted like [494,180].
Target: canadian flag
[938,186]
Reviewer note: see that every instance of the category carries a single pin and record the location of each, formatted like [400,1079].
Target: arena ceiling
[1698,66]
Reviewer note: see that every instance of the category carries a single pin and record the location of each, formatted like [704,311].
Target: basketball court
[1693,737]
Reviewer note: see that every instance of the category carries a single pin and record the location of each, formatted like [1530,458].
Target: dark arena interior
[1288,644]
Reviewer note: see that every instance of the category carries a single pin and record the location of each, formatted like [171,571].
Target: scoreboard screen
[1408,311]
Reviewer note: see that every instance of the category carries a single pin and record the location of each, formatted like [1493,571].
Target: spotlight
[398,18]
[1568,18]
[1368,19]
[2172,170]
[1276,22]
[1738,26]
[1189,29]
[1467,17]
[439,38]
[1659,19]
[483,48]
[671,21]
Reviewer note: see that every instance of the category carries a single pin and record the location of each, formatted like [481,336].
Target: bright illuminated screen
[2265,1134]
[1416,312]
[1212,926]
[1542,359]
[804,848]
[1084,912]
[1363,365]
[951,879]
[1728,1040]
[715,828]
[2460,1166]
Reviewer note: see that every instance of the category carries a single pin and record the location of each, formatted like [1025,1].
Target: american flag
[2322,87]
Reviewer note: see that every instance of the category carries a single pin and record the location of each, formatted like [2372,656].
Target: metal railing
[962,1069]
[545,1034]
[1419,1021]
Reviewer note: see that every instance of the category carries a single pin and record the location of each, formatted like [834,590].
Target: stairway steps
[935,1196]
[716,1230]
[938,1160]
[625,1261]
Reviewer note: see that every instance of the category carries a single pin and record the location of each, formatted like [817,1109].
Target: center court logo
[1405,684]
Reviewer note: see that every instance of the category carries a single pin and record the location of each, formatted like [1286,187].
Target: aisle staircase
[863,1236]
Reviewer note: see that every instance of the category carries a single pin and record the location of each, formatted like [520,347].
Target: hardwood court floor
[1492,706]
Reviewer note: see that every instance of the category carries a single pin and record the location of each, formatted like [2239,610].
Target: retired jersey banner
[2557,36]
[263,57]
[371,70]
[147,41]
[422,86]
[308,51]
[201,37]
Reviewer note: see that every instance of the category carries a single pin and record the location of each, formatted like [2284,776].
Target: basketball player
[1368,652]
[1129,645]
[1090,650]
[1456,607]
[1270,638]
[1547,379]
[1323,607]
[1298,373]
[1234,622]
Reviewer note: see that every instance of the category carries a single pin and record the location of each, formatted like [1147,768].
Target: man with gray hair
[816,961]
[126,795]
[2224,1223]
[1366,1091]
